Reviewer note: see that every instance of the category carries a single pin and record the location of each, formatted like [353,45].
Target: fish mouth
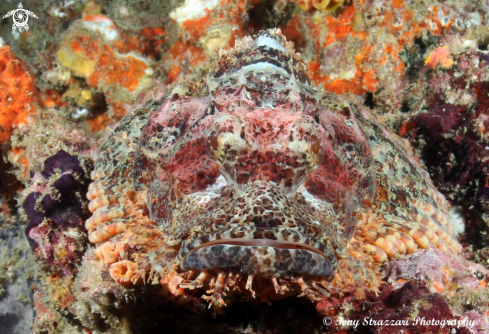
[261,252]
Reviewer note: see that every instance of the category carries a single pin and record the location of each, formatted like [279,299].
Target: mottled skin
[258,182]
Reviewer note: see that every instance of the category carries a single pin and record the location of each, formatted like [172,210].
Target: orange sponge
[18,93]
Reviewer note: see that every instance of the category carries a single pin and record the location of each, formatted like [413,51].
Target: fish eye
[315,148]
[214,144]
[213,140]
[315,144]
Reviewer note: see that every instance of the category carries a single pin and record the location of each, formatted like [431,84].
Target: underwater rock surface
[419,69]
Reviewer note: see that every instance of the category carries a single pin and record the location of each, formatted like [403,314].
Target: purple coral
[453,137]
[456,152]
[56,210]
[397,307]
[63,162]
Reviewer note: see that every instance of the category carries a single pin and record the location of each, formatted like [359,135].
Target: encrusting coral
[110,61]
[55,207]
[19,100]
[18,94]
[326,5]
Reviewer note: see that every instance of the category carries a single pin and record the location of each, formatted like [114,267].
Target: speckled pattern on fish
[256,182]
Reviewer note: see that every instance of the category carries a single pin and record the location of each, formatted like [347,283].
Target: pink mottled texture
[435,266]
[478,324]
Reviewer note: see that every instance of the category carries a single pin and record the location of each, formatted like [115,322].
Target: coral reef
[412,308]
[204,28]
[460,281]
[56,207]
[110,61]
[19,100]
[18,95]
[378,48]
[426,292]
[326,5]
[52,133]
[447,125]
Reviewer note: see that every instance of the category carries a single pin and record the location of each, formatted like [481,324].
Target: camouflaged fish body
[259,183]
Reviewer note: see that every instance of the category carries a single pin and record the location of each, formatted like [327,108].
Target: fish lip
[275,237]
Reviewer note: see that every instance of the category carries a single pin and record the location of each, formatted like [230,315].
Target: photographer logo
[20,17]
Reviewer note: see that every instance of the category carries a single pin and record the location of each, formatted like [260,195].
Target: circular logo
[327,321]
[20,17]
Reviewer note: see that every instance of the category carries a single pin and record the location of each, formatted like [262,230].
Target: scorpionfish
[255,182]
